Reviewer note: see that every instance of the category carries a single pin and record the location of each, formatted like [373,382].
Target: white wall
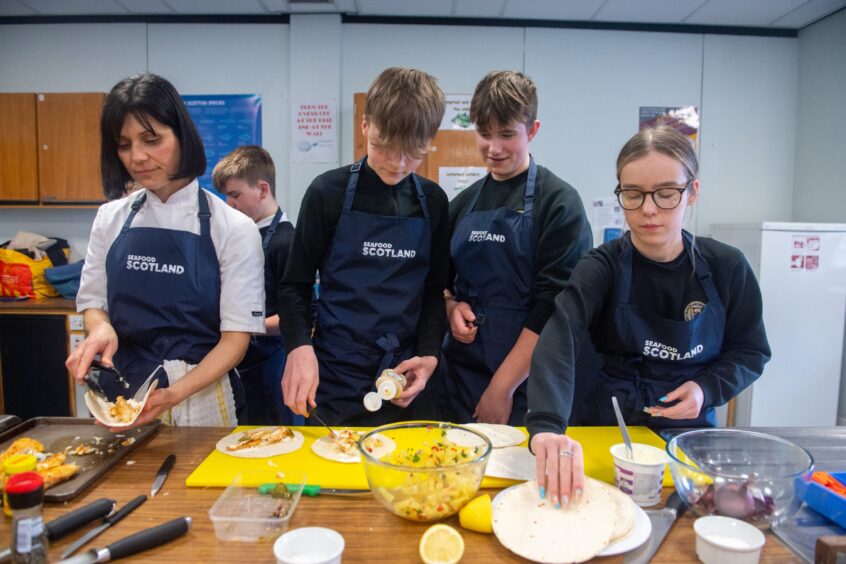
[591,84]
[820,178]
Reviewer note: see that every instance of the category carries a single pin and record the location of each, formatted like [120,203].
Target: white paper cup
[643,478]
[309,545]
[723,540]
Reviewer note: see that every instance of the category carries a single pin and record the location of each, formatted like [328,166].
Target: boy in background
[379,236]
[247,177]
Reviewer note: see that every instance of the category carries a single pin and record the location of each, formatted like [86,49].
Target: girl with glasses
[677,319]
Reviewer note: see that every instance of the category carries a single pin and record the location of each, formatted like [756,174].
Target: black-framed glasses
[665,198]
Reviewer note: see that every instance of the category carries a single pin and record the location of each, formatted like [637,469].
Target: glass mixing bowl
[741,474]
[428,477]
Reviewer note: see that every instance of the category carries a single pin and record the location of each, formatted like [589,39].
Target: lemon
[477,515]
[441,544]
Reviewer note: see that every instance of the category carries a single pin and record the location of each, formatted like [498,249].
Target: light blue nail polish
[557,506]
[662,398]
[566,501]
[646,410]
[543,492]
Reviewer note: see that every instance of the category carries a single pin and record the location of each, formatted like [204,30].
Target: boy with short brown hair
[247,177]
[516,236]
[379,236]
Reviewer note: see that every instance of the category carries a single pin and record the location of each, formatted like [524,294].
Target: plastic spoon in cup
[623,430]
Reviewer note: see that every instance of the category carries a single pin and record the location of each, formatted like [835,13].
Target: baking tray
[57,433]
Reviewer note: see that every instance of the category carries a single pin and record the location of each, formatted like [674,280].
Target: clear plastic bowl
[243,513]
[741,474]
[405,487]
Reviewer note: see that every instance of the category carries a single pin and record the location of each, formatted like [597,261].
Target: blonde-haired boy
[247,177]
[378,235]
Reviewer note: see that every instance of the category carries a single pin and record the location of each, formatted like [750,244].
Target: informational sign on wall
[454,179]
[314,131]
[457,113]
[805,253]
[683,118]
[225,121]
[608,218]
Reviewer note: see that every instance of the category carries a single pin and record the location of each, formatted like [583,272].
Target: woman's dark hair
[146,96]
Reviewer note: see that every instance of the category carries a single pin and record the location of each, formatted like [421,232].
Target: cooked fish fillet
[23,445]
[51,461]
[58,474]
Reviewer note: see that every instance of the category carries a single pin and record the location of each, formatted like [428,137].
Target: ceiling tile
[742,12]
[551,9]
[15,8]
[478,8]
[809,12]
[647,11]
[216,7]
[140,7]
[428,8]
[75,7]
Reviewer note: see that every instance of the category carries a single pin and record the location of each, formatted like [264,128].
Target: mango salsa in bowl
[427,477]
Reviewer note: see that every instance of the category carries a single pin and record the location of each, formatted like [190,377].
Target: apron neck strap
[352,182]
[136,205]
[204,213]
[277,217]
[528,194]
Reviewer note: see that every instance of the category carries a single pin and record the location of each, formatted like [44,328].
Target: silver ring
[567,453]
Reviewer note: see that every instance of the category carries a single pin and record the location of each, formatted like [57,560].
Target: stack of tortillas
[534,529]
[507,460]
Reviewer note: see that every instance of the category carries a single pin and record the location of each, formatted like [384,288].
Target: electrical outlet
[75,340]
[75,322]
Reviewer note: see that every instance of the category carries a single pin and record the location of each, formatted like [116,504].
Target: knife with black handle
[108,521]
[66,524]
[662,521]
[133,544]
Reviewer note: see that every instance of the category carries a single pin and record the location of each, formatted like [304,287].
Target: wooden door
[69,147]
[18,149]
[449,148]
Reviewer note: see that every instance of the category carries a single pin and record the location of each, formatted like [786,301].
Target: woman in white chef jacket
[173,276]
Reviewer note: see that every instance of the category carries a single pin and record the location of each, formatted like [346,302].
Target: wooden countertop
[44,306]
[370,532]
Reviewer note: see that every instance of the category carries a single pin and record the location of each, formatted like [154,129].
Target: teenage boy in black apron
[677,319]
[247,177]
[378,235]
[516,235]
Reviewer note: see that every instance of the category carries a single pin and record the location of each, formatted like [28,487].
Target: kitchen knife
[107,522]
[161,475]
[62,526]
[662,520]
[322,422]
[140,541]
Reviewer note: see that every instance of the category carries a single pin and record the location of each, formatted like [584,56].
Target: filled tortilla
[120,413]
[261,442]
[345,448]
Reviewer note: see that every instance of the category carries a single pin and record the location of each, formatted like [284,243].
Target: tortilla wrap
[99,408]
[500,435]
[512,463]
[625,521]
[326,447]
[275,449]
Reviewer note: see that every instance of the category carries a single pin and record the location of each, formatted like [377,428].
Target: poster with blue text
[225,121]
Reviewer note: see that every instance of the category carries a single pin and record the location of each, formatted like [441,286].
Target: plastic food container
[426,478]
[246,514]
[723,540]
[827,502]
[642,478]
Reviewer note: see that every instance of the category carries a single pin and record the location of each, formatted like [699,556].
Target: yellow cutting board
[218,470]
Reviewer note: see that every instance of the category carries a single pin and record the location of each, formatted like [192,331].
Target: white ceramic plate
[642,530]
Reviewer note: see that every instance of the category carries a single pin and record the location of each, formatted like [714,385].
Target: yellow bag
[23,276]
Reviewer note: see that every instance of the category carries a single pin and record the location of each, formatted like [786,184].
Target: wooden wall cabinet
[50,148]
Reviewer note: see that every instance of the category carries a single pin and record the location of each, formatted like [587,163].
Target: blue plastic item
[65,278]
[826,502]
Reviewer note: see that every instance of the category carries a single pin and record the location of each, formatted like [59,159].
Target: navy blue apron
[163,292]
[371,289]
[665,352]
[262,365]
[494,256]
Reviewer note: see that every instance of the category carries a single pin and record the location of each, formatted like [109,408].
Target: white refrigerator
[801,268]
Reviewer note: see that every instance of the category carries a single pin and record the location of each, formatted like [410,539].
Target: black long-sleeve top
[586,307]
[274,267]
[319,214]
[561,230]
